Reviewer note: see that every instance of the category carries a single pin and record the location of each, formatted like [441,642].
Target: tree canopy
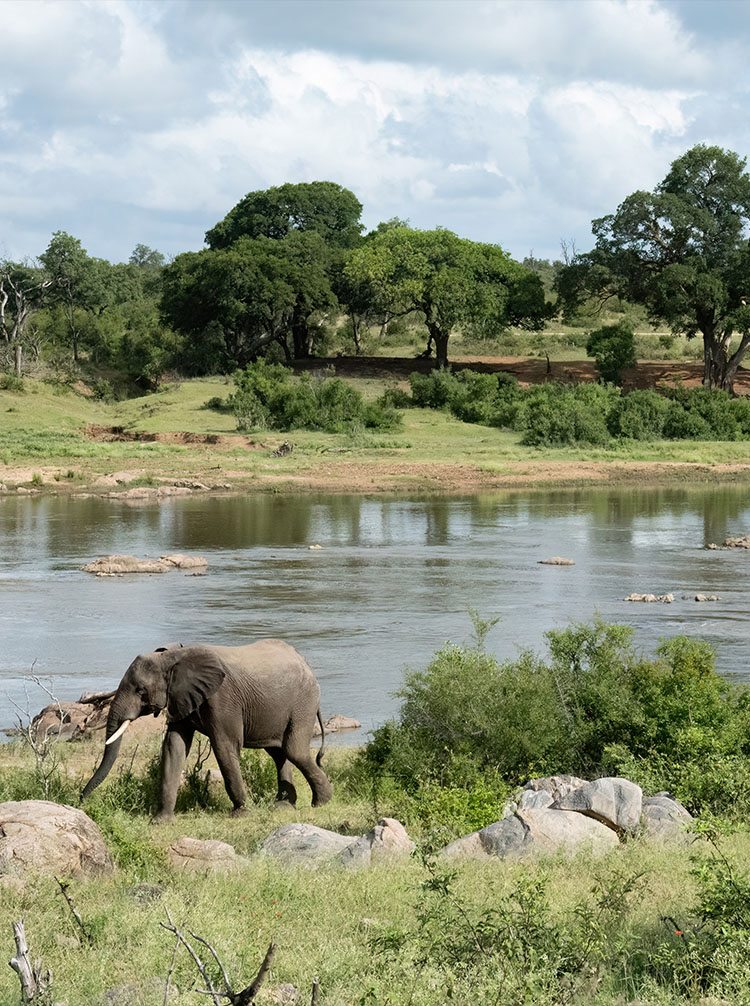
[682,251]
[454,282]
[330,210]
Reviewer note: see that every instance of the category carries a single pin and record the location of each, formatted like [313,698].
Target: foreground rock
[205,856]
[666,820]
[112,565]
[534,832]
[614,802]
[52,838]
[706,597]
[556,560]
[651,598]
[308,845]
[742,542]
[304,844]
[387,840]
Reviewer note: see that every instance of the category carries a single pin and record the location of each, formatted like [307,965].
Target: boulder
[706,597]
[336,723]
[557,786]
[305,844]
[386,841]
[180,561]
[66,720]
[556,560]
[743,541]
[534,799]
[615,802]
[52,838]
[534,832]
[132,564]
[204,856]
[665,819]
[651,598]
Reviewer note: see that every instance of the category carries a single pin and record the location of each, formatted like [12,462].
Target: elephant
[261,695]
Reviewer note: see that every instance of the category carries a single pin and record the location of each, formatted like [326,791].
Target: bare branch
[74,911]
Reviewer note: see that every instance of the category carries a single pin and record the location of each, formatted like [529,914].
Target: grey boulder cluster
[559,814]
[565,814]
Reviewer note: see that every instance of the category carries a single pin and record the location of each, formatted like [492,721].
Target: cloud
[505,121]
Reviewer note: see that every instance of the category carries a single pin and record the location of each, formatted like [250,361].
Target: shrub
[11,382]
[435,390]
[641,415]
[613,349]
[594,705]
[552,415]
[266,396]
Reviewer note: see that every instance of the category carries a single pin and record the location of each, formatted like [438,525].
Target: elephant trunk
[115,721]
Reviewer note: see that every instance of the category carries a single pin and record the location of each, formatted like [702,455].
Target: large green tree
[80,284]
[682,251]
[455,283]
[22,292]
[232,302]
[266,276]
[326,208]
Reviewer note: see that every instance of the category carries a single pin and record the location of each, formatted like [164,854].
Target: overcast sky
[512,122]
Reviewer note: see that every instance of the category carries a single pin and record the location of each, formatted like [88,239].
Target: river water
[393,581]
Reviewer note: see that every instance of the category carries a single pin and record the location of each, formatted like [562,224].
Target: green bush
[613,349]
[268,397]
[11,382]
[641,415]
[435,390]
[593,706]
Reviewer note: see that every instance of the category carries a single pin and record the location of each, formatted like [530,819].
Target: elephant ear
[196,674]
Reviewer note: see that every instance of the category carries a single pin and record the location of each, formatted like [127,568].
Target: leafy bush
[554,415]
[613,349]
[11,382]
[593,705]
[268,397]
[641,415]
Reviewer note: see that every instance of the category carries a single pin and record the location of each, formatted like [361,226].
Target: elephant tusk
[119,732]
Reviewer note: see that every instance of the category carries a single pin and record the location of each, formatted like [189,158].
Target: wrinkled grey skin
[263,695]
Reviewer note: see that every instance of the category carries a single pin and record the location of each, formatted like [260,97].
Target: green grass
[366,934]
[45,431]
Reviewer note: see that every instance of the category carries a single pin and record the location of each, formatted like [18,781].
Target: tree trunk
[18,360]
[300,335]
[441,346]
[720,369]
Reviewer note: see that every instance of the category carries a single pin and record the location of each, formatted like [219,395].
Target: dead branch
[247,996]
[74,911]
[34,981]
[212,991]
[315,991]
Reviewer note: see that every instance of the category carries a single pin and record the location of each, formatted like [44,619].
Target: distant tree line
[288,263]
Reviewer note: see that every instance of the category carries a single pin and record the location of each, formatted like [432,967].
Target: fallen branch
[64,887]
[34,981]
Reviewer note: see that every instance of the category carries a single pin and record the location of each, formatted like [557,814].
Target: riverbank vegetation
[646,923]
[288,274]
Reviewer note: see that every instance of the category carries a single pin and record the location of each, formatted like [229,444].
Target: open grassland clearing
[44,443]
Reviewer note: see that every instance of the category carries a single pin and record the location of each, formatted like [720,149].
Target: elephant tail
[319,756]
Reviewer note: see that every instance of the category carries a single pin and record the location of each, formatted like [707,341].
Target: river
[393,580]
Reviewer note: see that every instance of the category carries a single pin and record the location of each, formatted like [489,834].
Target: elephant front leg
[286,794]
[175,750]
[228,757]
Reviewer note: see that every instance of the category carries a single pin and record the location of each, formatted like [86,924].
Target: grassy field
[391,934]
[44,443]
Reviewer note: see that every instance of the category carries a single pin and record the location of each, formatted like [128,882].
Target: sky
[510,122]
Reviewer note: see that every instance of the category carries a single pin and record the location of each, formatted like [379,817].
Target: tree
[234,301]
[144,257]
[682,251]
[22,291]
[317,222]
[330,210]
[79,283]
[452,281]
[613,348]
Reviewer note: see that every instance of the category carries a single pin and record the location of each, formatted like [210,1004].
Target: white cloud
[507,121]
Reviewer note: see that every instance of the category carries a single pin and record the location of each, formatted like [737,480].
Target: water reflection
[393,580]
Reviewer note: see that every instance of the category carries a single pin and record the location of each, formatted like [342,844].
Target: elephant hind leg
[286,791]
[297,750]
